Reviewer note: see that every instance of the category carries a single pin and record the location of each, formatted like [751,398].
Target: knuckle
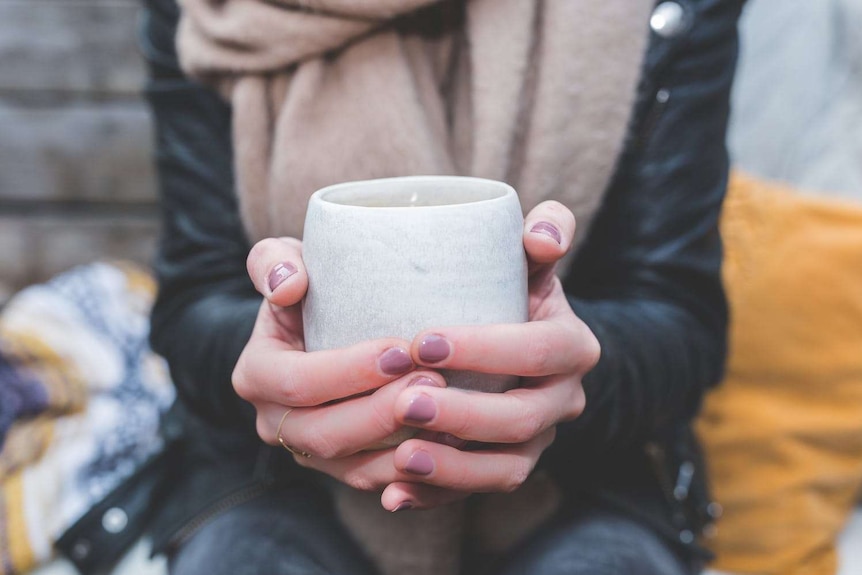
[530,425]
[540,354]
[291,389]
[462,426]
[517,477]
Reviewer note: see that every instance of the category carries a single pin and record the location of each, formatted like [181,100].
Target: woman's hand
[275,374]
[551,352]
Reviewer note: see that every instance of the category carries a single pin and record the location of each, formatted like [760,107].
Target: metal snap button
[662,96]
[81,549]
[114,520]
[668,19]
[714,510]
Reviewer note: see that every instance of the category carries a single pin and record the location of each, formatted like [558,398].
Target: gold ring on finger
[284,444]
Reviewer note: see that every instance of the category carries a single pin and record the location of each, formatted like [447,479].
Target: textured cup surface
[391,257]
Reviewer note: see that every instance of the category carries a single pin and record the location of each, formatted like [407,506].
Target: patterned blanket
[80,399]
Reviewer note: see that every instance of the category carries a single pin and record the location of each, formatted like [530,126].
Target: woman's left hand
[551,352]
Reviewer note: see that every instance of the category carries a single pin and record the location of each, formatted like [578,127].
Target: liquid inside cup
[414,192]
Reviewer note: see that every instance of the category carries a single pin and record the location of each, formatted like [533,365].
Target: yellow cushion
[783,433]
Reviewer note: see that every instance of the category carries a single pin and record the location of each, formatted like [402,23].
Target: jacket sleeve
[647,280]
[206,305]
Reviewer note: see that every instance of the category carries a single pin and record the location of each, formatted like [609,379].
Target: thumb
[548,232]
[276,268]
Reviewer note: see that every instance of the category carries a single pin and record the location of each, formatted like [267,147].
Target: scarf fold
[537,93]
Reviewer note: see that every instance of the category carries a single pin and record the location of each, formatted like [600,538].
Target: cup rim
[501,191]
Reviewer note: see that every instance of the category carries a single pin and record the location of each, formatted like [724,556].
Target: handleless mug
[392,257]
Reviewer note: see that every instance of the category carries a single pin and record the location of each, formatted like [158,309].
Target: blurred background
[75,176]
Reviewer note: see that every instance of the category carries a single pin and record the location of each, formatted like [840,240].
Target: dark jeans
[295,532]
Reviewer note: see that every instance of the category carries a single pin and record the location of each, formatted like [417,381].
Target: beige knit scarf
[537,93]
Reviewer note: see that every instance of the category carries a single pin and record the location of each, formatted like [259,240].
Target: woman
[643,282]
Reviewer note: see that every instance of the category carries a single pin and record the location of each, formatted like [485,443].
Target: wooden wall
[76,181]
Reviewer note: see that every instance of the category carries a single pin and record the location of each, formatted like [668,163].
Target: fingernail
[549,230]
[422,409]
[280,273]
[395,361]
[403,505]
[433,348]
[423,380]
[420,463]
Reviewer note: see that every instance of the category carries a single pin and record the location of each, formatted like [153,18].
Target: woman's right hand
[340,401]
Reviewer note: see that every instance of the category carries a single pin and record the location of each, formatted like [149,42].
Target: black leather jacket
[646,280]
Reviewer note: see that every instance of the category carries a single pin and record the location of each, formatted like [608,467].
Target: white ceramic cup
[395,256]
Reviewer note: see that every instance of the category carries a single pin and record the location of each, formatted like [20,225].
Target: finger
[276,268]
[548,232]
[365,471]
[515,416]
[499,469]
[344,428]
[270,371]
[400,496]
[531,349]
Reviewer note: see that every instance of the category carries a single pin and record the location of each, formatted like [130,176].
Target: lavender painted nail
[403,506]
[395,361]
[549,230]
[422,409]
[420,463]
[280,273]
[433,348]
